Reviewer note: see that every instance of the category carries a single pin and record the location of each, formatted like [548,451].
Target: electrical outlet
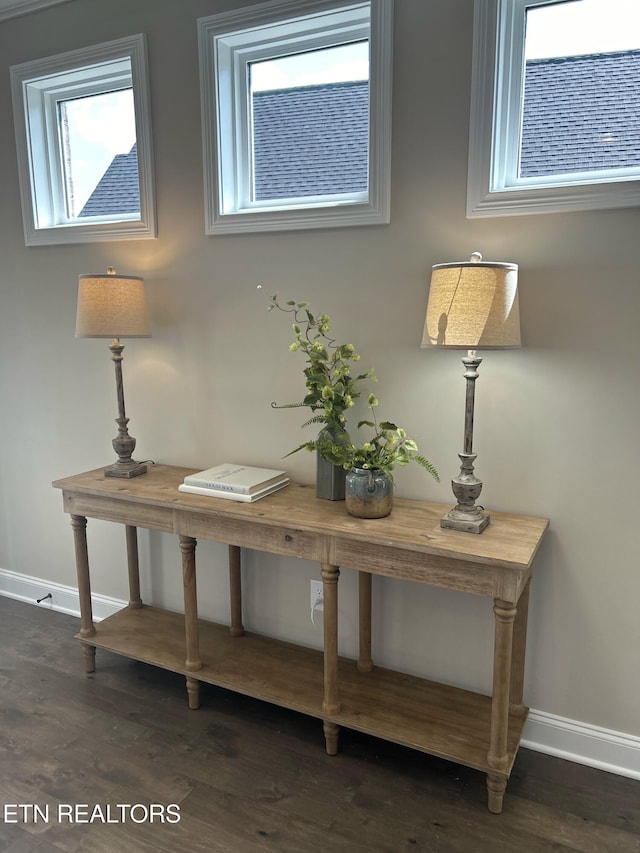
[317,595]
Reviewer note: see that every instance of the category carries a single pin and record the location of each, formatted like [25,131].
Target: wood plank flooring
[249,777]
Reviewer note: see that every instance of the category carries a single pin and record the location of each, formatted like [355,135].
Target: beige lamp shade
[473,305]
[112,306]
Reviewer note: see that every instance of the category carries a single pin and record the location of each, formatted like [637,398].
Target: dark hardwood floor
[246,776]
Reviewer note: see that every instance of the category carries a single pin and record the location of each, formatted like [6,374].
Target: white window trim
[223,123]
[38,166]
[496,95]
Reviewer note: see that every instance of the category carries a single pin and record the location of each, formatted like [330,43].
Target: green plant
[331,387]
[389,446]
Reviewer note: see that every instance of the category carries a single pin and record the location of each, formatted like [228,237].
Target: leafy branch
[331,386]
[389,446]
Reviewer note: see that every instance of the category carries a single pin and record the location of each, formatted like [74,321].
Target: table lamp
[472,305]
[115,306]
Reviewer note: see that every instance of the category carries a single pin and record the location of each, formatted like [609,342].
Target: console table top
[509,542]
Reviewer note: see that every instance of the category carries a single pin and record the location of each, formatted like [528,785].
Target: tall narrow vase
[330,478]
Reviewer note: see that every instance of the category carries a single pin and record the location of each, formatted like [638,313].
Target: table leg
[87,627]
[516,698]
[131,533]
[496,786]
[497,758]
[331,734]
[192,661]
[365,664]
[235,591]
[330,704]
[193,693]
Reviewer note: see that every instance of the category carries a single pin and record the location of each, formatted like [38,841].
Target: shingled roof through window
[311,140]
[118,190]
[581,113]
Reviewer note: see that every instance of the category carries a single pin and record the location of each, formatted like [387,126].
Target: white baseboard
[582,743]
[64,599]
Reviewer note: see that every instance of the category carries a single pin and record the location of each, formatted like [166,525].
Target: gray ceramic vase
[368,493]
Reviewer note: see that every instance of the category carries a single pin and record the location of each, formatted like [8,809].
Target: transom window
[83,135]
[296,108]
[555,123]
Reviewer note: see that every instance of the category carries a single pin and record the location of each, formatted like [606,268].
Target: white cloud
[331,65]
[582,26]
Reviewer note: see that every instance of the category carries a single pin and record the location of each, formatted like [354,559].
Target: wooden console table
[479,731]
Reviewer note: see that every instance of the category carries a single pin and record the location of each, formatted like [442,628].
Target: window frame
[227,43]
[497,90]
[37,86]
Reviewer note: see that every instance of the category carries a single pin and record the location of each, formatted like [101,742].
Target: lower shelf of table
[435,718]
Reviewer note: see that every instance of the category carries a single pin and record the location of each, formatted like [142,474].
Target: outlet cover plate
[316,597]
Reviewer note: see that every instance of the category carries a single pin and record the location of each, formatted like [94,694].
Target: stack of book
[235,482]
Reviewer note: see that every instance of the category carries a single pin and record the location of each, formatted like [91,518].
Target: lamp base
[468,522]
[125,469]
[465,515]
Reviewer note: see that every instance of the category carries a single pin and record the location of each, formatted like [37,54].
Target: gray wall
[554,421]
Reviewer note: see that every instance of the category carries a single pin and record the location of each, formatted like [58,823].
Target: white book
[233,496]
[230,477]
